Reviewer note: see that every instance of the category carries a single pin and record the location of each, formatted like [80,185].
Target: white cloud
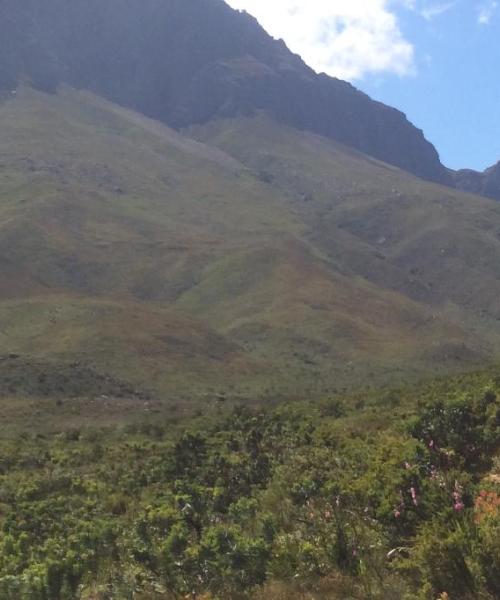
[344,38]
[486,12]
[431,11]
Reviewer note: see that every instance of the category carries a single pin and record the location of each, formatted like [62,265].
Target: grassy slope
[295,266]
[98,203]
[426,241]
[367,219]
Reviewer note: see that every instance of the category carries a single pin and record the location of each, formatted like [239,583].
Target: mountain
[205,330]
[185,213]
[257,260]
[428,242]
[486,183]
[99,212]
[185,62]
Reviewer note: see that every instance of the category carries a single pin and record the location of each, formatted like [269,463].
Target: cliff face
[186,62]
[486,183]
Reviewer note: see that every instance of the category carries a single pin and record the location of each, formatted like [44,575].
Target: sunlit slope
[320,326]
[264,262]
[97,203]
[425,241]
[147,347]
[99,200]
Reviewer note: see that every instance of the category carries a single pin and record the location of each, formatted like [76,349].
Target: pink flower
[407,466]
[458,504]
[397,514]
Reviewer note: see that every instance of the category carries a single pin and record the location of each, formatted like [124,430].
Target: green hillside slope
[259,261]
[424,241]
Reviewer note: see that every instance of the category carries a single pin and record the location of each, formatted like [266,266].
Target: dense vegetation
[388,495]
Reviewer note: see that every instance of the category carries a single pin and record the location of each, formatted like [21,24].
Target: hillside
[266,262]
[100,212]
[249,323]
[486,183]
[141,54]
[424,241]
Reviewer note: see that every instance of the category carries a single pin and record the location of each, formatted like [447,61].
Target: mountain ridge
[141,55]
[485,183]
[245,251]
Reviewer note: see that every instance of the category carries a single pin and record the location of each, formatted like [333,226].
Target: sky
[436,60]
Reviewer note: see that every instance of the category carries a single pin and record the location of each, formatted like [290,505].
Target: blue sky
[436,60]
[454,95]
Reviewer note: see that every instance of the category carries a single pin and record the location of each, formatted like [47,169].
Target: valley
[249,322]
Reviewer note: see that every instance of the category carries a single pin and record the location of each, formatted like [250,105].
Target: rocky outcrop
[486,183]
[188,61]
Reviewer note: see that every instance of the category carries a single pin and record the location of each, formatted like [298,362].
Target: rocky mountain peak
[186,62]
